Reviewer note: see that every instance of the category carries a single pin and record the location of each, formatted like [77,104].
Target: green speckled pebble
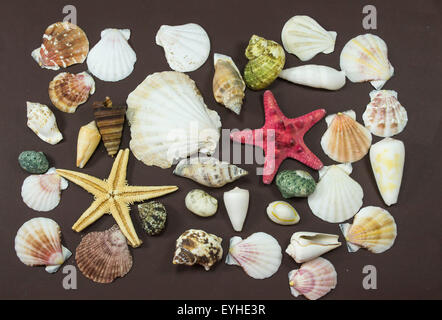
[33,161]
[295,183]
[153,217]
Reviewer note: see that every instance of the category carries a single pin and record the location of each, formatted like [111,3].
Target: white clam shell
[112,58]
[42,121]
[305,38]
[237,204]
[315,76]
[337,197]
[282,212]
[201,203]
[305,246]
[186,47]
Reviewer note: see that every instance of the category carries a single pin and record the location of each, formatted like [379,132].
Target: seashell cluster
[283,213]
[236,202]
[295,183]
[306,246]
[153,216]
[104,256]
[186,46]
[198,247]
[88,139]
[315,76]
[63,45]
[259,255]
[42,121]
[169,120]
[305,38]
[266,60]
[33,162]
[201,203]
[209,171]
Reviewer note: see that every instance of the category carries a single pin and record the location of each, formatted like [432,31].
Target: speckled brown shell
[104,256]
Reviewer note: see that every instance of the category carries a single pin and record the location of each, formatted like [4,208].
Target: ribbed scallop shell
[365,58]
[42,121]
[385,116]
[373,228]
[259,255]
[314,279]
[345,139]
[305,38]
[112,58]
[104,256]
[228,85]
[337,197]
[169,120]
[38,243]
[186,46]
[67,91]
[63,45]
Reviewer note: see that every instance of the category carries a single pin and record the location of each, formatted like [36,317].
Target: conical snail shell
[237,204]
[88,139]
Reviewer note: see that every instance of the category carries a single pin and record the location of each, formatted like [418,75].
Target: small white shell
[315,76]
[112,58]
[305,246]
[282,212]
[42,121]
[186,46]
[201,203]
[237,204]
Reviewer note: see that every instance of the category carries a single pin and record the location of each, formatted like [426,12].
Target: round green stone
[295,183]
[153,217]
[33,161]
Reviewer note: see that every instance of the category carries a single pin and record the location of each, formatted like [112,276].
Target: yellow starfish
[113,196]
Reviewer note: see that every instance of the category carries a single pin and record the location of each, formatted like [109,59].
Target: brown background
[411,269]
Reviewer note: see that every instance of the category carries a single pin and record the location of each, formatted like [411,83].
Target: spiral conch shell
[228,85]
[306,246]
[42,121]
[88,139]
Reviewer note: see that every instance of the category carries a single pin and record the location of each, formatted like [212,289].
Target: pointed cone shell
[315,76]
[306,246]
[237,204]
[208,171]
[387,159]
[337,197]
[67,91]
[305,38]
[345,139]
[38,243]
[259,255]
[384,115]
[186,46]
[169,120]
[88,139]
[110,121]
[64,44]
[42,121]
[104,256]
[365,58]
[314,279]
[373,228]
[228,85]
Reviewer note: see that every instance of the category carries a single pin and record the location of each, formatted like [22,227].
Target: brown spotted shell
[104,256]
[67,91]
[63,45]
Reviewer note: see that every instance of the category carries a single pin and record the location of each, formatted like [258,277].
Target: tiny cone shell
[88,139]
[237,204]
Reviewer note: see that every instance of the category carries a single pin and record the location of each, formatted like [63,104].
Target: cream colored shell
[315,76]
[42,121]
[305,246]
[201,203]
[282,212]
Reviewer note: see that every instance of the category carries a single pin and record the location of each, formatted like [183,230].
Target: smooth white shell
[315,76]
[305,246]
[42,121]
[237,204]
[201,203]
[282,212]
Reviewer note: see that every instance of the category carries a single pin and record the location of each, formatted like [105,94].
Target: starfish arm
[303,154]
[132,194]
[117,176]
[97,209]
[271,108]
[304,123]
[91,184]
[271,165]
[250,137]
[120,212]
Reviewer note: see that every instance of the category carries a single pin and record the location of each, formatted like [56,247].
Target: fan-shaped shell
[42,121]
[345,139]
[314,279]
[38,243]
[305,38]
[385,116]
[63,45]
[365,58]
[373,228]
[259,255]
[112,58]
[337,197]
[67,91]
[169,120]
[104,256]
[186,46]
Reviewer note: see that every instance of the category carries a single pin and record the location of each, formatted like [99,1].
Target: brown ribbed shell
[104,256]
[110,121]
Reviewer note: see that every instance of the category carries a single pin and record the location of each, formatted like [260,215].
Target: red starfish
[281,137]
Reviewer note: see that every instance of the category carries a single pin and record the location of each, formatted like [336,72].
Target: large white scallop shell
[305,38]
[315,76]
[186,46]
[42,192]
[365,58]
[42,121]
[169,120]
[337,197]
[259,255]
[112,58]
